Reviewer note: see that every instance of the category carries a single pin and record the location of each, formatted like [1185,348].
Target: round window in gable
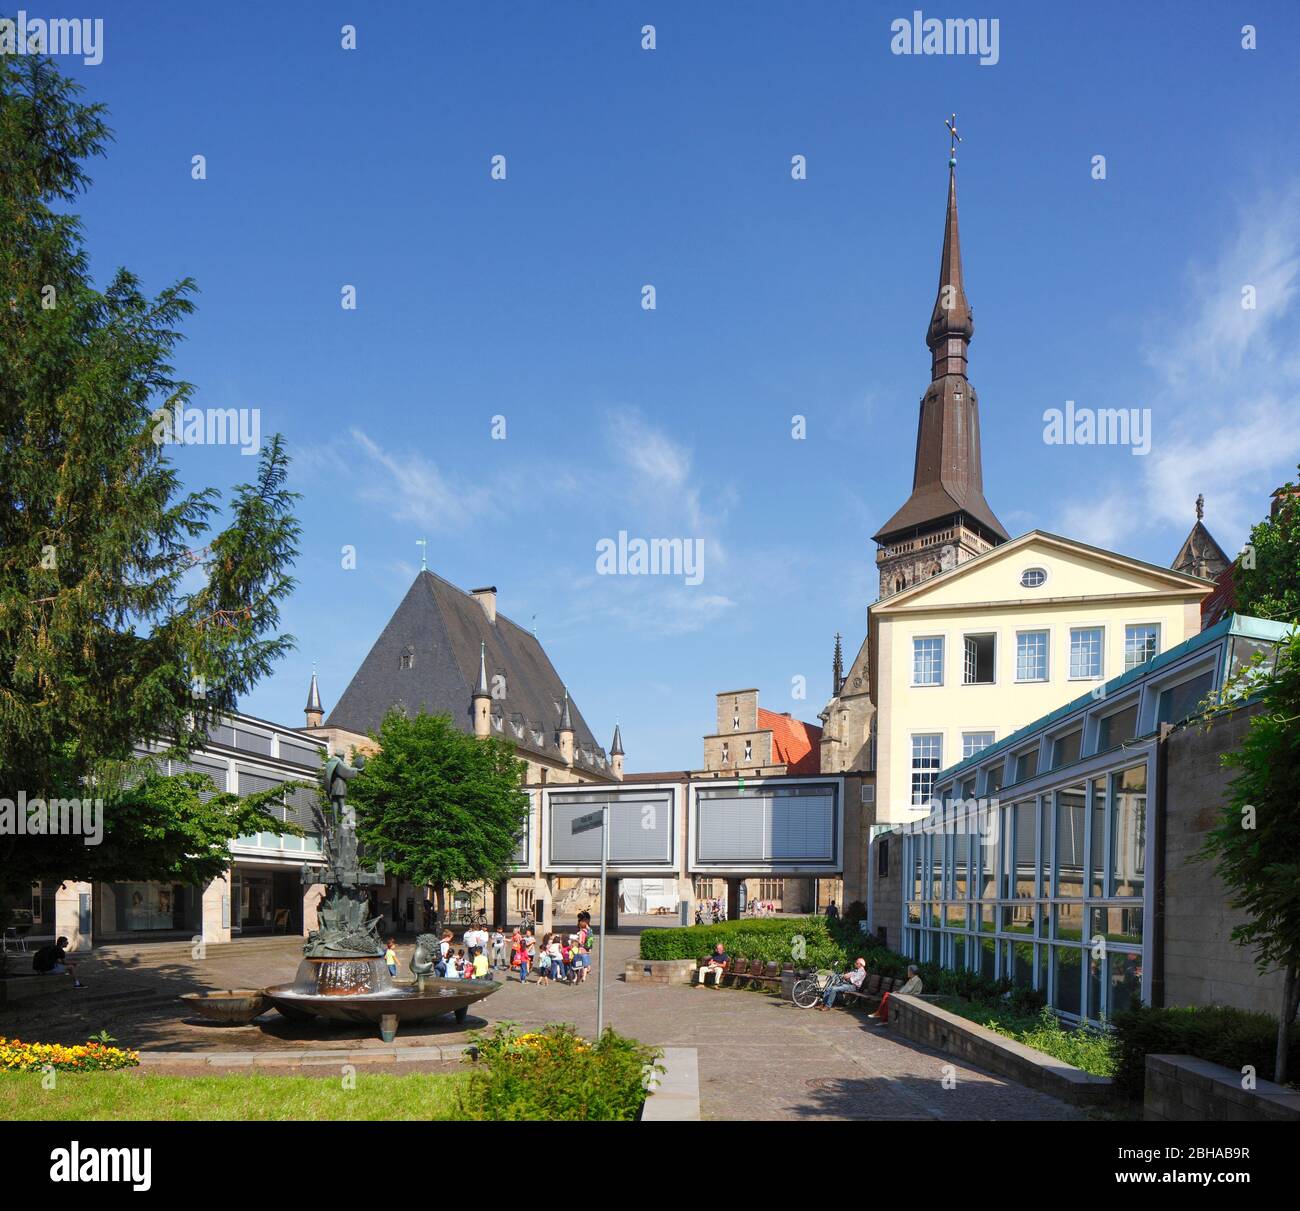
[1033,578]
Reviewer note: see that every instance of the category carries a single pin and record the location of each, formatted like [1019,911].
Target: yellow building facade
[967,657]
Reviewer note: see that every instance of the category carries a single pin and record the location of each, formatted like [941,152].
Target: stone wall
[1181,1088]
[887,889]
[916,1019]
[1203,966]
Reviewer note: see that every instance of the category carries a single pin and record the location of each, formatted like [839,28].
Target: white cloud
[1225,417]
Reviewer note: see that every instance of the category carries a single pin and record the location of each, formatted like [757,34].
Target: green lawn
[137,1095]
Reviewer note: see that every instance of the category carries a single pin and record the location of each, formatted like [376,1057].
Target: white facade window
[927,760]
[1141,643]
[927,660]
[1086,652]
[979,659]
[1031,656]
[974,742]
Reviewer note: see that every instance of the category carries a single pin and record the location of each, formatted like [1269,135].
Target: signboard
[586,823]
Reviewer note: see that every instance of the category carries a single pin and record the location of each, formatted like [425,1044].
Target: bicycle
[811,989]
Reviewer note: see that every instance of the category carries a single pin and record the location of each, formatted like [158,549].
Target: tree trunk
[440,895]
[1289,998]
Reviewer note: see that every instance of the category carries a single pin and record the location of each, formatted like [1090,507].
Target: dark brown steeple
[948,481]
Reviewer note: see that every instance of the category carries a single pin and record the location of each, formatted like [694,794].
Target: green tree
[438,805]
[1266,575]
[1255,845]
[105,636]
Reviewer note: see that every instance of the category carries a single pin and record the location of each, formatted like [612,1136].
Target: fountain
[343,976]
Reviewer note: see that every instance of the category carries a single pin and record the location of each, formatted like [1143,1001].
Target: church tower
[946,520]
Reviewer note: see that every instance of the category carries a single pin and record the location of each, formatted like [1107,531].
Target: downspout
[1158,831]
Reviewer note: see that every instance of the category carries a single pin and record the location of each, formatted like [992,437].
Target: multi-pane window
[978,659]
[1031,656]
[1141,643]
[974,742]
[927,660]
[1085,652]
[927,759]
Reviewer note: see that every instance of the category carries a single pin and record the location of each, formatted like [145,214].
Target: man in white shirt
[849,979]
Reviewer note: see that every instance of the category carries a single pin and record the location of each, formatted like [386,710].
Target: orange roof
[794,743]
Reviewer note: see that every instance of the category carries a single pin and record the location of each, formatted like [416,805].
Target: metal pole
[600,957]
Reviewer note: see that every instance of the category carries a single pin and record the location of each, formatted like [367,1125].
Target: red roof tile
[795,744]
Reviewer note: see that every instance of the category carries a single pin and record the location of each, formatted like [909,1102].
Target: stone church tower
[946,520]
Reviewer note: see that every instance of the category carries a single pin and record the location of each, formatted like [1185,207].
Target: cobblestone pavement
[759,1057]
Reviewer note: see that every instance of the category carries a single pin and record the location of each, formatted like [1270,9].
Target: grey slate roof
[440,627]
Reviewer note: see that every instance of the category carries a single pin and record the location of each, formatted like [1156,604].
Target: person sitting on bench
[912,988]
[716,965]
[849,979]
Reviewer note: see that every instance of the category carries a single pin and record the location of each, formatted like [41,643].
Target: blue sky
[775,297]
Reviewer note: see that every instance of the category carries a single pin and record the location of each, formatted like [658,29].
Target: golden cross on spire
[953,139]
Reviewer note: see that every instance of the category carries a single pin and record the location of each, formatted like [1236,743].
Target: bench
[872,991]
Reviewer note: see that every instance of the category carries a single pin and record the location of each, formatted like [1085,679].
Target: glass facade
[1045,891]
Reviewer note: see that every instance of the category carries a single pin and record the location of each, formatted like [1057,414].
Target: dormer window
[408,657]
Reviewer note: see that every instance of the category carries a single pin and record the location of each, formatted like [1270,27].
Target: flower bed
[17,1056]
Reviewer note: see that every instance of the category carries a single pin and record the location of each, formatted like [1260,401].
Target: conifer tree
[124,613]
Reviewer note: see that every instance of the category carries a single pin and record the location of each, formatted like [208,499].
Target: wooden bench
[872,991]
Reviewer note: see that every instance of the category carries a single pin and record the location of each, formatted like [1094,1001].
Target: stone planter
[659,971]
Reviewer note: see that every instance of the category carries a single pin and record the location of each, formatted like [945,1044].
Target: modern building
[263,891]
[1063,857]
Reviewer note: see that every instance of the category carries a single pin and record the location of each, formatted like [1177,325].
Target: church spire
[952,322]
[837,667]
[946,520]
[313,710]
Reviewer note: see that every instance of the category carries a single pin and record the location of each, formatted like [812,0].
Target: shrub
[1221,1035]
[556,1075]
[17,1056]
[1084,1047]
[773,940]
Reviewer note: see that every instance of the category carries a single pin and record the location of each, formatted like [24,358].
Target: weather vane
[423,544]
[954,139]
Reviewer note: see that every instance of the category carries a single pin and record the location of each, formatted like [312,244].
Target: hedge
[833,944]
[805,941]
[1231,1037]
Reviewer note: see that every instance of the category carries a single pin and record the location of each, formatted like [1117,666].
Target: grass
[1091,1050]
[138,1095]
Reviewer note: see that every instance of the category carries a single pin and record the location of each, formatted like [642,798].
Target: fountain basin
[317,992]
[229,1006]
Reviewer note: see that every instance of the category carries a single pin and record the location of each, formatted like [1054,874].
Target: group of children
[557,960]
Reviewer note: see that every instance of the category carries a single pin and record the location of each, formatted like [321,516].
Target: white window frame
[1047,651]
[965,635]
[982,731]
[1100,675]
[913,769]
[1155,626]
[943,655]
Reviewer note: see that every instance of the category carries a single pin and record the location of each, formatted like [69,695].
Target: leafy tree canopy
[438,805]
[1267,573]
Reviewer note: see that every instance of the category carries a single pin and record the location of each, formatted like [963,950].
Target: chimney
[487,598]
